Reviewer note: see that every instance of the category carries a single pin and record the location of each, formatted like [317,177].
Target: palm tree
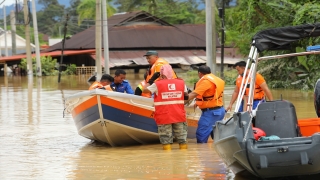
[152,4]
[87,9]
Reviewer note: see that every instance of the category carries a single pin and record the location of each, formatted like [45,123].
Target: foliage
[71,69]
[50,17]
[87,10]
[229,77]
[251,16]
[47,65]
[172,11]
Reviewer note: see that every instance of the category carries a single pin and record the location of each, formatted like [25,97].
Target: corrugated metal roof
[183,57]
[127,58]
[156,35]
[136,37]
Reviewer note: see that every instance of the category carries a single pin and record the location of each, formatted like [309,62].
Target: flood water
[37,142]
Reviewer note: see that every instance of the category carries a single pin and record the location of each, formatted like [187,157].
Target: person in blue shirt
[120,84]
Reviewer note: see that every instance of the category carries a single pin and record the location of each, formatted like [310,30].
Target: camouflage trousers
[180,131]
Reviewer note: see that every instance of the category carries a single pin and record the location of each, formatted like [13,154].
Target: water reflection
[147,162]
[30,100]
[38,143]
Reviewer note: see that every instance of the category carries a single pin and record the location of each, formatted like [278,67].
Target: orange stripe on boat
[84,105]
[127,107]
[192,123]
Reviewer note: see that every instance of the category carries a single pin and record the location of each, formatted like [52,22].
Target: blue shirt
[122,87]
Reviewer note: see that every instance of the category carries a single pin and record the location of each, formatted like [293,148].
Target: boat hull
[235,144]
[118,119]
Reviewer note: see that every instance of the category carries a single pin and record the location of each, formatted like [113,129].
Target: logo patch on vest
[171,87]
[169,95]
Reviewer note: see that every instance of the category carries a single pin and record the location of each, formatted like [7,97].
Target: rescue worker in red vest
[156,64]
[104,83]
[209,98]
[261,89]
[170,115]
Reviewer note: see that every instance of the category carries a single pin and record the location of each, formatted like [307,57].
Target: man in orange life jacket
[209,98]
[153,72]
[261,89]
[104,83]
[169,115]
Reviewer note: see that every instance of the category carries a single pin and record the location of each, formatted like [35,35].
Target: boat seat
[277,118]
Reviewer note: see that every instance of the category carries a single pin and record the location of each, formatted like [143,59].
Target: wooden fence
[86,70]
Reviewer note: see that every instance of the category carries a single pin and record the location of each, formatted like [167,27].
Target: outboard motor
[317,97]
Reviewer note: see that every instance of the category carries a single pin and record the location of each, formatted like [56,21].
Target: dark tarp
[281,38]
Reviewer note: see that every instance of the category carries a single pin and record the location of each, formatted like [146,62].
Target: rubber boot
[183,146]
[166,146]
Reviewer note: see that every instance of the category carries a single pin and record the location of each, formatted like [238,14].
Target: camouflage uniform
[180,131]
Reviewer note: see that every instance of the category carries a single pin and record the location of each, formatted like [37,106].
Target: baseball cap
[149,53]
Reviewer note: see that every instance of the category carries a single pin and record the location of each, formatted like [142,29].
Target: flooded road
[36,142]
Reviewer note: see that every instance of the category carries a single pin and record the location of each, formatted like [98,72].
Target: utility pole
[98,39]
[27,33]
[36,38]
[5,31]
[211,35]
[13,33]
[105,37]
[221,15]
[62,49]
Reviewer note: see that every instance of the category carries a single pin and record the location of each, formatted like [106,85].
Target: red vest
[169,102]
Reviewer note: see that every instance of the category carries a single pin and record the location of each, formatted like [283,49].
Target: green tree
[87,10]
[47,65]
[50,17]
[73,27]
[172,11]
[251,16]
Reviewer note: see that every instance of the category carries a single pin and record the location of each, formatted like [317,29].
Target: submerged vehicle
[291,153]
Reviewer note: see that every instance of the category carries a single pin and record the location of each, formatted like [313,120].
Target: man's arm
[145,88]
[192,95]
[155,76]
[150,88]
[233,98]
[267,91]
[129,89]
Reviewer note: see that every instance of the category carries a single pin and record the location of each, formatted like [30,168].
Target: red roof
[52,54]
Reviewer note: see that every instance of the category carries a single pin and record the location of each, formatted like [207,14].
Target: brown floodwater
[37,142]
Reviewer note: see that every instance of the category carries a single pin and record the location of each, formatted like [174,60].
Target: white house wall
[20,44]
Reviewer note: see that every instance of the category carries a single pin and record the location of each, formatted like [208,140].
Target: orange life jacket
[215,99]
[141,85]
[160,62]
[258,92]
[169,102]
[95,85]
[108,87]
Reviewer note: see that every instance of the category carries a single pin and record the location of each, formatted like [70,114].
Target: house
[131,34]
[20,43]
